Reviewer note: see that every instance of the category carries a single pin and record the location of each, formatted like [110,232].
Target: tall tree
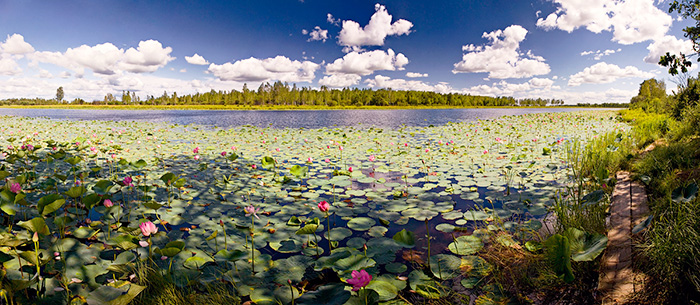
[59,94]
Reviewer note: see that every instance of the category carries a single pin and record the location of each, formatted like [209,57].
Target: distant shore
[276,107]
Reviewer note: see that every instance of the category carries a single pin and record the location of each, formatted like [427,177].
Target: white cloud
[365,63]
[374,33]
[530,89]
[15,45]
[183,70]
[340,80]
[414,74]
[253,69]
[598,54]
[316,34]
[107,59]
[9,67]
[64,74]
[501,58]
[669,44]
[44,74]
[332,20]
[196,59]
[629,21]
[148,57]
[602,73]
[540,82]
[381,81]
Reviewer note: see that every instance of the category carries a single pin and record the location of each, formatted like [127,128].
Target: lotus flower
[372,158]
[196,150]
[196,157]
[15,188]
[128,181]
[359,279]
[108,203]
[148,228]
[223,154]
[323,206]
[252,210]
[350,169]
[310,160]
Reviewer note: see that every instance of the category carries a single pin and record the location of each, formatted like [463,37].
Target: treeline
[281,94]
[604,105]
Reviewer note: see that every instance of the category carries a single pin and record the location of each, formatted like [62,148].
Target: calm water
[282,119]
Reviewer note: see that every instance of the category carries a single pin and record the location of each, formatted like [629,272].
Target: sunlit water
[292,119]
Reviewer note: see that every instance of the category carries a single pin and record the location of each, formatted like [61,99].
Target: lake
[390,118]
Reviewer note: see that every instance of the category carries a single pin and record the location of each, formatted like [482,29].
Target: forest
[281,94]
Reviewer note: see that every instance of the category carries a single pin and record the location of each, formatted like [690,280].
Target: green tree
[59,94]
[651,97]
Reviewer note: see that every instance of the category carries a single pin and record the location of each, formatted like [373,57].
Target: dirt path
[629,207]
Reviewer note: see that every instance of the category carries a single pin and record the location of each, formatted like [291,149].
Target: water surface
[389,118]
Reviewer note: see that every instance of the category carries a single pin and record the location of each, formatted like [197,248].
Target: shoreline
[277,108]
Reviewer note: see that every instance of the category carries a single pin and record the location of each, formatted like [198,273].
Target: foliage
[651,97]
[280,93]
[205,250]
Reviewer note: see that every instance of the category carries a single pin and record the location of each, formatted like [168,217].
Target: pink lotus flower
[253,166]
[128,181]
[251,210]
[328,160]
[323,206]
[405,144]
[310,160]
[427,150]
[350,169]
[359,279]
[486,151]
[196,150]
[108,203]
[196,157]
[223,154]
[340,147]
[15,188]
[372,158]
[148,228]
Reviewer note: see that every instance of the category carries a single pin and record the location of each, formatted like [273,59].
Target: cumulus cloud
[629,21]
[107,59]
[365,63]
[196,59]
[9,67]
[381,81]
[531,89]
[277,68]
[501,58]
[340,80]
[374,33]
[15,45]
[44,74]
[669,44]
[540,82]
[597,55]
[316,34]
[602,73]
[414,74]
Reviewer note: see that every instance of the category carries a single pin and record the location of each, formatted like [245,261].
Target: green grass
[161,290]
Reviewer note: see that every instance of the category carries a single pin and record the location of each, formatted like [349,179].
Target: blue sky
[575,50]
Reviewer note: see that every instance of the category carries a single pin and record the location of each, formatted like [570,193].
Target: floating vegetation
[269,210]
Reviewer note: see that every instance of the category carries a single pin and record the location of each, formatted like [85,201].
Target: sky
[580,51]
